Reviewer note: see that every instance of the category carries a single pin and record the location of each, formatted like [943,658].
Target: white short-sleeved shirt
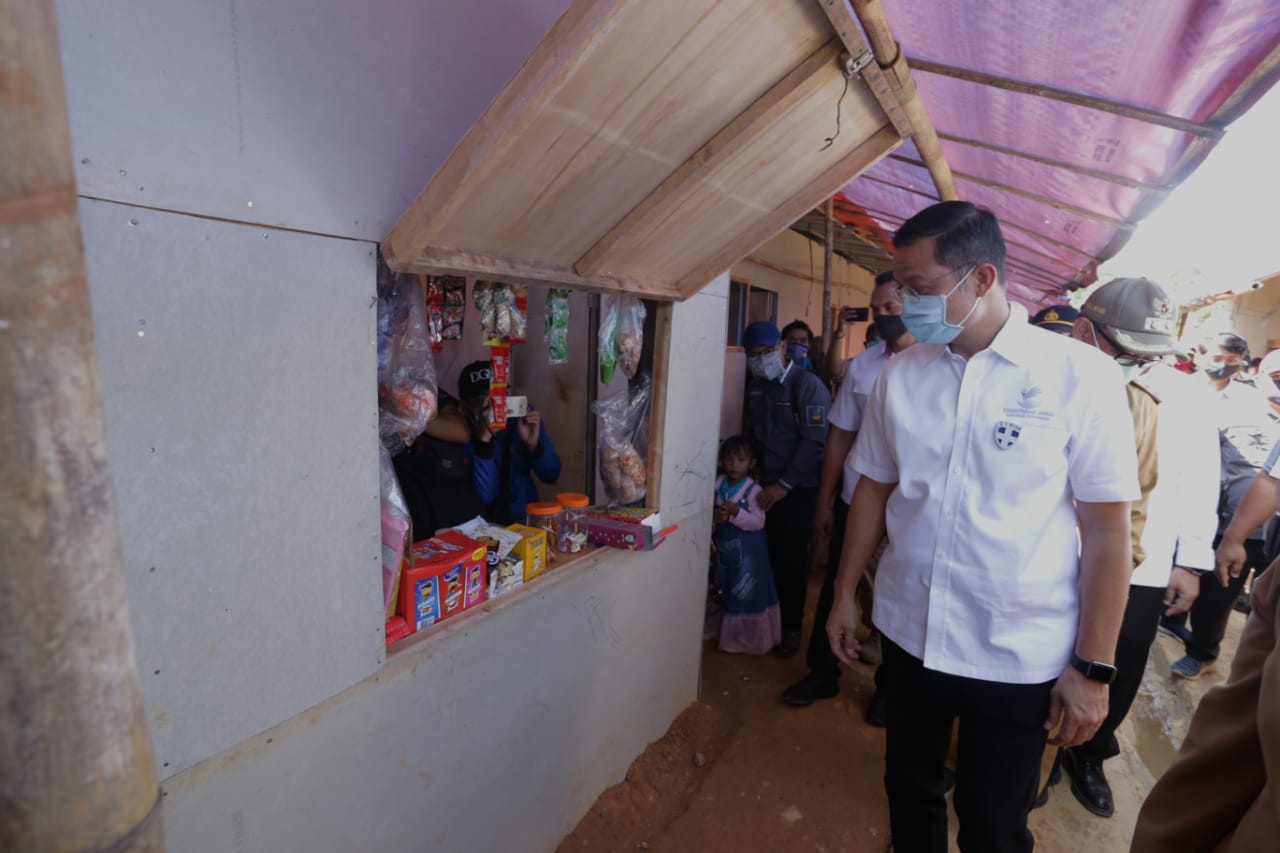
[989,456]
[1182,509]
[851,401]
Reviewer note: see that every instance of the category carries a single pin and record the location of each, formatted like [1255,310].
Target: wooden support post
[828,248]
[77,771]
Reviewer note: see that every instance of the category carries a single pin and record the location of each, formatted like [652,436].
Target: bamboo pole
[828,248]
[889,57]
[1207,131]
[77,771]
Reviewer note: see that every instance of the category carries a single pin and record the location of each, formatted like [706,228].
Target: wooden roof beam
[441,260]
[879,144]
[746,129]
[1120,180]
[1065,207]
[1091,102]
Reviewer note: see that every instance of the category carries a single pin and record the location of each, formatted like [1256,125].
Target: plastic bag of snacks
[624,444]
[630,334]
[397,533]
[557,318]
[407,378]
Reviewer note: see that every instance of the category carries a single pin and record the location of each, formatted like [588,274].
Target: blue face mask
[926,314]
[798,353]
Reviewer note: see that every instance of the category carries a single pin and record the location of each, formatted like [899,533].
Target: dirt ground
[739,770]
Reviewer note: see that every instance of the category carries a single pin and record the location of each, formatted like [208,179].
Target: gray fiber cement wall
[235,162]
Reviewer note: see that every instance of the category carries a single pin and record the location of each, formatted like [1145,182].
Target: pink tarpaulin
[1206,61]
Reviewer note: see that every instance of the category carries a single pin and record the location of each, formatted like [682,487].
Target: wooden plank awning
[647,145]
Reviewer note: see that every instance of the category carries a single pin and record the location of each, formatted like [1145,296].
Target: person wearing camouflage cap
[1172,526]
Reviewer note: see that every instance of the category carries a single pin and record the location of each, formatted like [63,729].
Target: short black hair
[965,233]
[798,324]
[884,278]
[1234,344]
[733,445]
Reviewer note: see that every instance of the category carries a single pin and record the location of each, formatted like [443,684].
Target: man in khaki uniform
[1172,524]
[1223,792]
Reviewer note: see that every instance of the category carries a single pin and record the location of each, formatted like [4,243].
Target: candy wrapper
[557,318]
[455,307]
[624,444]
[407,378]
[441,322]
[500,365]
[504,313]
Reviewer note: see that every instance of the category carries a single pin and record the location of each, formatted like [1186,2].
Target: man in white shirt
[1132,320]
[823,680]
[982,450]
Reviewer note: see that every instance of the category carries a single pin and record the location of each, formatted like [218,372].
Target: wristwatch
[1094,670]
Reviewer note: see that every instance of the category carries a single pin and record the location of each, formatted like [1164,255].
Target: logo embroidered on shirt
[1007,433]
[1030,394]
[817,415]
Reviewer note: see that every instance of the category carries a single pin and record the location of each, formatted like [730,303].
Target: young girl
[752,622]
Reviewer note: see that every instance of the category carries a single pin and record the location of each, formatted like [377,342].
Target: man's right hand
[823,519]
[842,626]
[1229,560]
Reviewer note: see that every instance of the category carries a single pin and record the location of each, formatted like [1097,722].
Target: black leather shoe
[809,689]
[877,711]
[1088,783]
[790,644]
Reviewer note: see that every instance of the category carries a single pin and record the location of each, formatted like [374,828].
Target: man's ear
[984,278]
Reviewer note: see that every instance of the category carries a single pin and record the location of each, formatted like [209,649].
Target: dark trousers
[1210,612]
[1137,633]
[788,526]
[820,659]
[1001,740]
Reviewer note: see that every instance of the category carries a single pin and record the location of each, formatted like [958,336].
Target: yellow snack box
[532,549]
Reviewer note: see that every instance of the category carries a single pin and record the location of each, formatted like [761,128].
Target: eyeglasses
[915,293]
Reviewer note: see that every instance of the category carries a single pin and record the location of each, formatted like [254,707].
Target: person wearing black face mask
[1227,357]
[823,680]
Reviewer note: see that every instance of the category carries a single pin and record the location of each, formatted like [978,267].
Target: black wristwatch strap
[1094,670]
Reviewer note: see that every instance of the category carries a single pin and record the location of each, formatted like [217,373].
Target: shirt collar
[1015,341]
[786,371]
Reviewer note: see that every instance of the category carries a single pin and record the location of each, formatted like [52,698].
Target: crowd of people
[1013,508]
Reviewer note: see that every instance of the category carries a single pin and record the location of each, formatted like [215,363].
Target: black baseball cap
[474,380]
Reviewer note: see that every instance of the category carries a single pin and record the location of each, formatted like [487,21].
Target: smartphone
[855,315]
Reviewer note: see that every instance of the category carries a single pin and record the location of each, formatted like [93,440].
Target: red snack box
[447,576]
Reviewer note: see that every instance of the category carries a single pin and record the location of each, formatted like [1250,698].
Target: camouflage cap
[1136,313]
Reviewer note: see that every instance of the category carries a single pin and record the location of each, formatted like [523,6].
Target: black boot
[809,689]
[1088,782]
[790,643]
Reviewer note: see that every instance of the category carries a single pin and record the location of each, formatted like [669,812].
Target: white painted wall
[254,382]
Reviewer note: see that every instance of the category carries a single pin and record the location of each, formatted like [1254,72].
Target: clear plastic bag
[407,376]
[624,443]
[557,320]
[397,533]
[608,342]
[630,340]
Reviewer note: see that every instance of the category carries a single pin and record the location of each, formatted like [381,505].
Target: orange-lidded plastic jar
[549,517]
[572,538]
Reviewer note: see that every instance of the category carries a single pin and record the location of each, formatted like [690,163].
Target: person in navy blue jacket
[503,464]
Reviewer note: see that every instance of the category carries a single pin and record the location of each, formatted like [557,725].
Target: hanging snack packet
[455,307]
[557,319]
[608,337]
[630,334]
